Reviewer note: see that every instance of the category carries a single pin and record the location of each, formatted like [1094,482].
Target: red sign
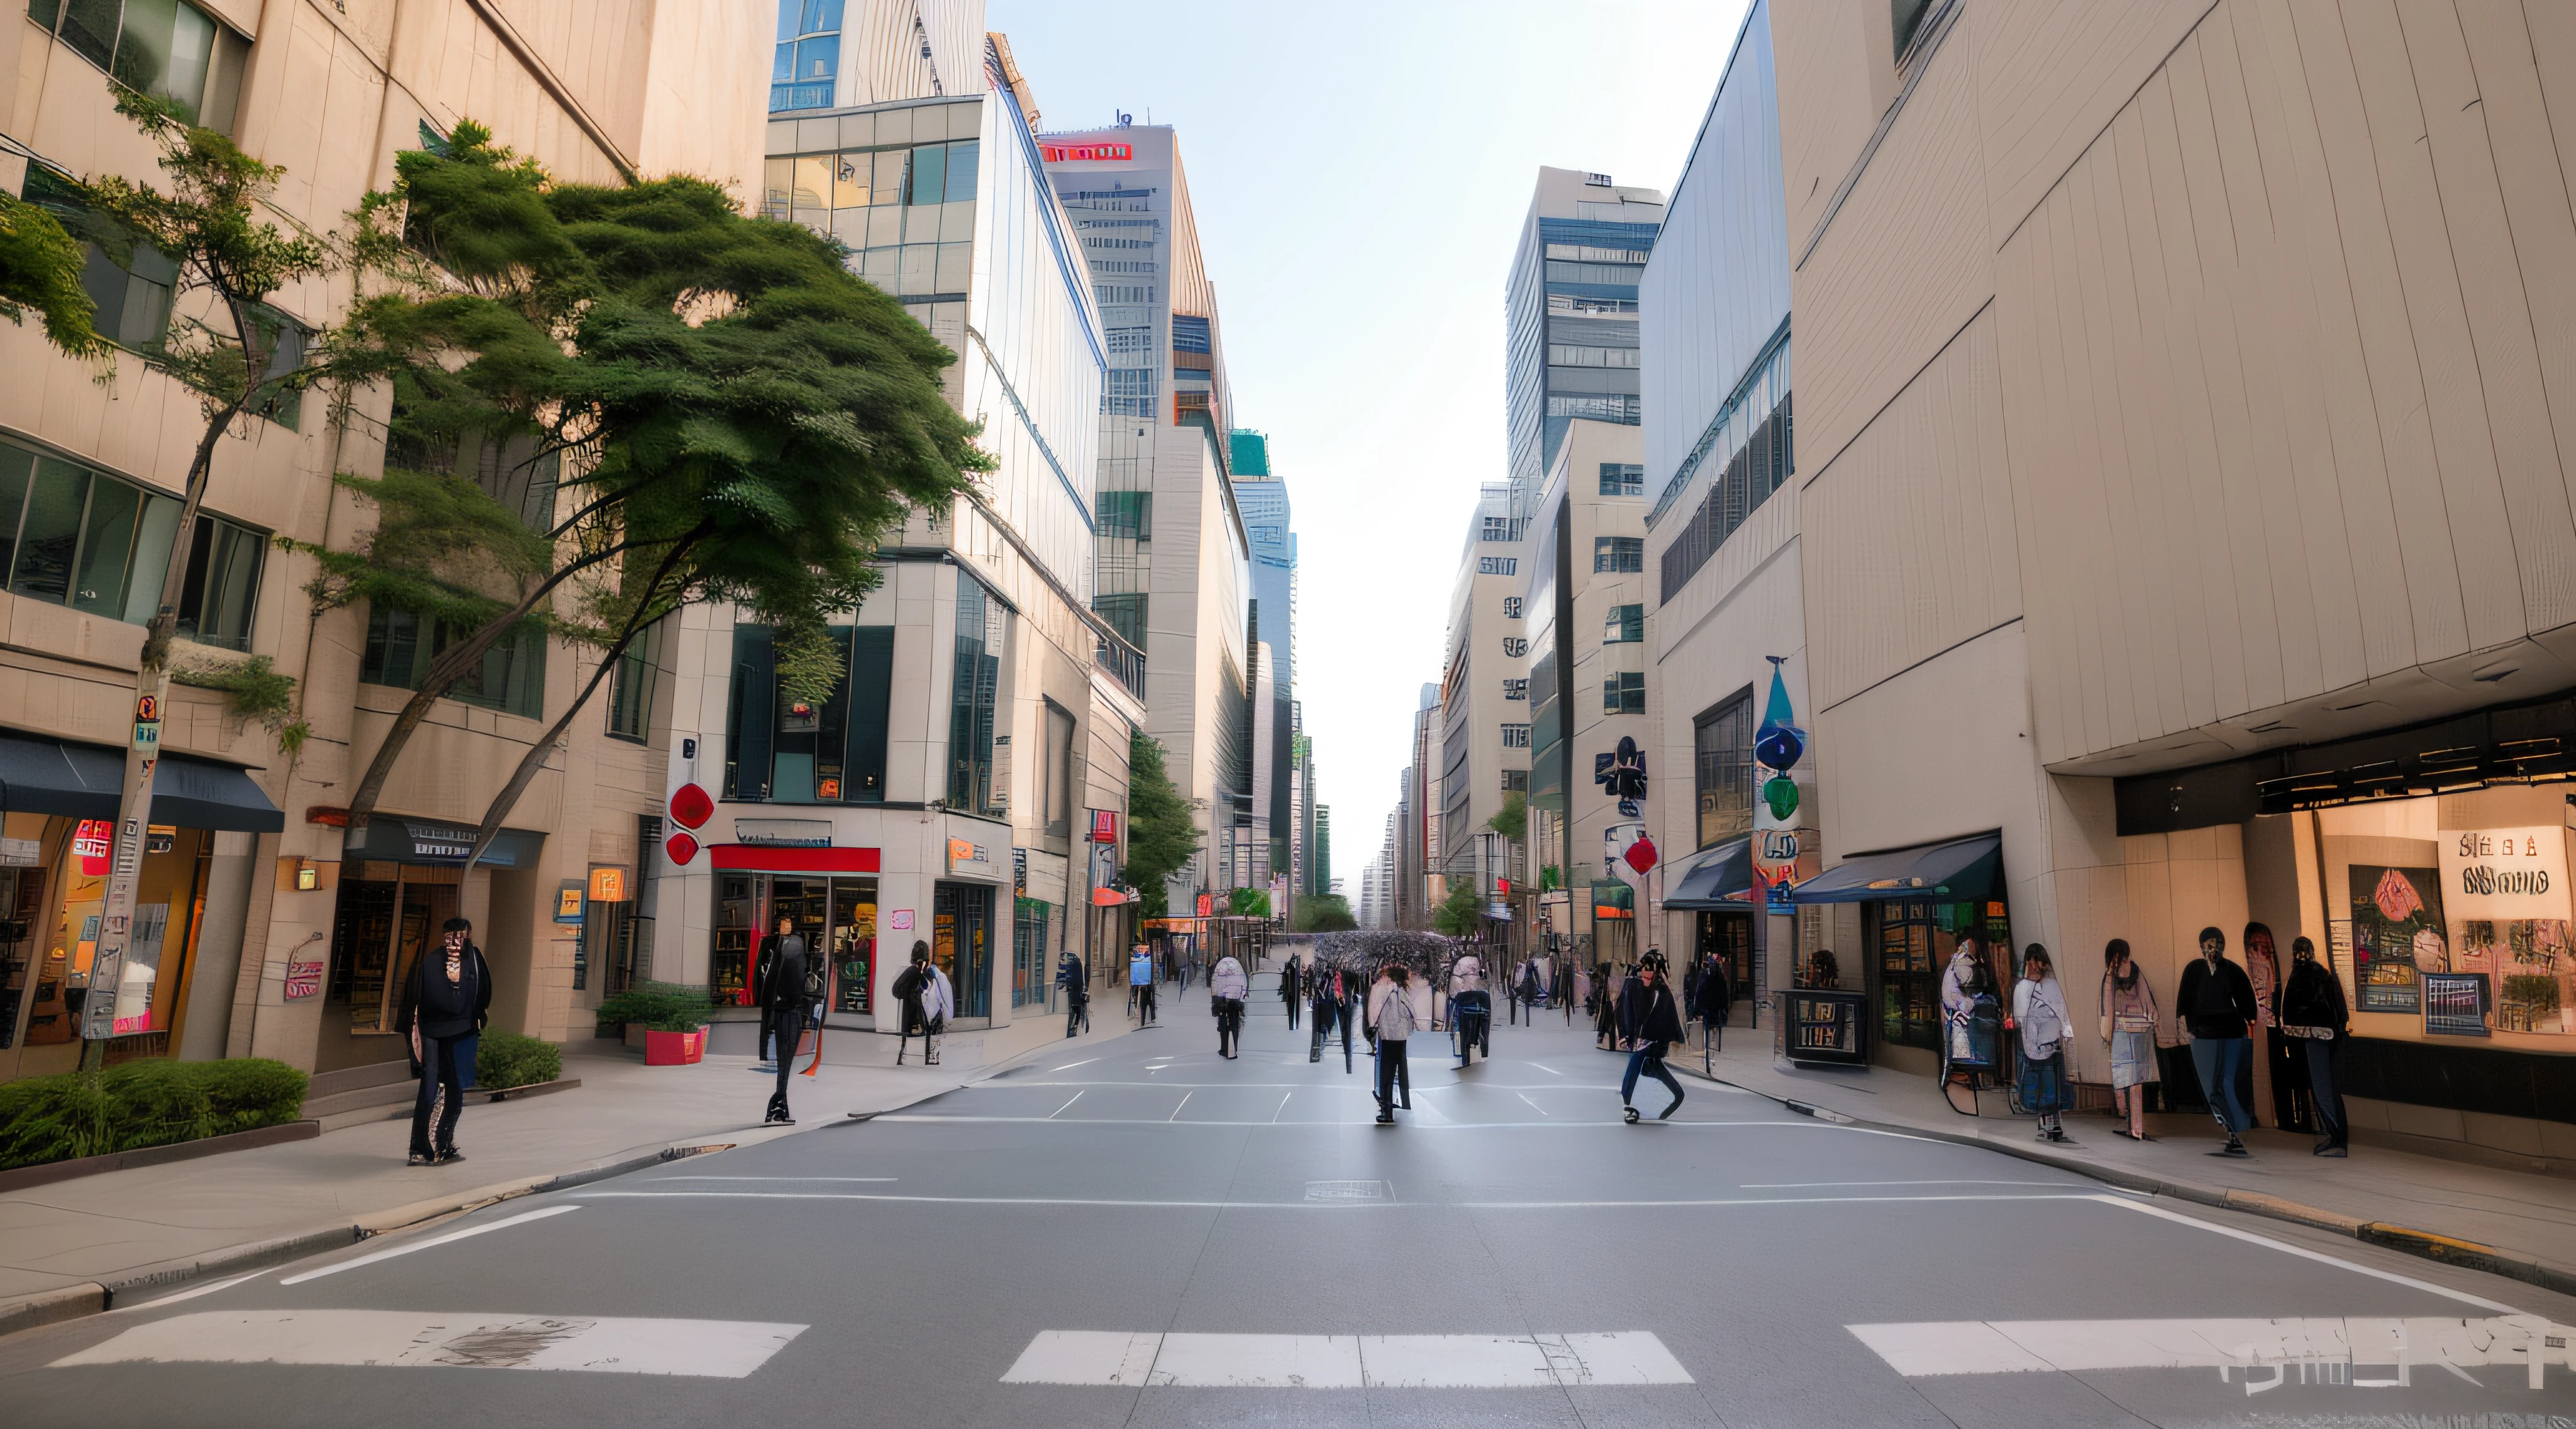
[1503,887]
[1641,854]
[147,708]
[91,841]
[1207,906]
[691,808]
[681,848]
[1079,153]
[1104,826]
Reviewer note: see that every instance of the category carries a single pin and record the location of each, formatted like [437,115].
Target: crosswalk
[722,1349]
[1146,1359]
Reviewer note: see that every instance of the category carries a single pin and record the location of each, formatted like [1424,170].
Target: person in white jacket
[1391,1013]
[1228,985]
[2039,1014]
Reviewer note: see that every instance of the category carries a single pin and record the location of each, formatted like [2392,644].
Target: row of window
[1620,407]
[77,537]
[1595,307]
[808,55]
[1619,553]
[170,49]
[804,186]
[1622,478]
[1761,467]
[1498,565]
[1624,693]
[1500,528]
[1606,274]
[1587,253]
[1121,267]
[1516,736]
[1562,354]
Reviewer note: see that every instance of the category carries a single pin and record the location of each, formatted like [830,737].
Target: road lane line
[466,1233]
[1069,1066]
[1068,1101]
[1934,1348]
[194,1291]
[1586,1205]
[1813,1185]
[2302,1252]
[1544,1067]
[1177,1359]
[1283,1106]
[657,1180]
[1786,1124]
[1185,1101]
[1534,1106]
[722,1349]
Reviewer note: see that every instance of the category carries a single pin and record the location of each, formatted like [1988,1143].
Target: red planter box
[674,1049]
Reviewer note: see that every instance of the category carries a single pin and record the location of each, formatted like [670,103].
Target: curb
[2445,1249]
[47,1173]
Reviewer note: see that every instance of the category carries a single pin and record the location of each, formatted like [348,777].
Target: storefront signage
[2397,929]
[89,844]
[968,856]
[608,885]
[2455,1004]
[784,833]
[1207,906]
[303,980]
[1085,153]
[568,900]
[1104,826]
[2509,966]
[2505,873]
[1020,872]
[899,921]
[1826,1026]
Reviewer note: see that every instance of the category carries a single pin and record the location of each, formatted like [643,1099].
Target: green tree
[40,269]
[1162,833]
[1458,913]
[1250,902]
[1513,820]
[1324,913]
[736,417]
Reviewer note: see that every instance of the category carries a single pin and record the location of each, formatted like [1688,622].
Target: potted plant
[671,1016]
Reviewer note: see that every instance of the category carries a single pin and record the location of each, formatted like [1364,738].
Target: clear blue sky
[1360,172]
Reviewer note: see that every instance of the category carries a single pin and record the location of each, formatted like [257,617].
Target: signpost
[124,879]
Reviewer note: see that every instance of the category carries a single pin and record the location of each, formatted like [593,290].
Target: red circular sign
[691,808]
[681,848]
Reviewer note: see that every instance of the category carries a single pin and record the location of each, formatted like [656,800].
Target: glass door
[854,943]
[961,943]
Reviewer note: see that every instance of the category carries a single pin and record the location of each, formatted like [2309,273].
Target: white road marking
[1114,1358]
[1534,1106]
[1544,1067]
[194,1291]
[1069,1066]
[722,1349]
[658,1179]
[466,1233]
[1313,1086]
[1185,1101]
[1811,1185]
[1301,1205]
[2305,1254]
[1797,1123]
[1068,1102]
[1283,1106]
[2343,1345]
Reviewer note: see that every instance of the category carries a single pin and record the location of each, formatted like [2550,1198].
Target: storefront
[1715,889]
[1916,906]
[830,893]
[400,880]
[61,801]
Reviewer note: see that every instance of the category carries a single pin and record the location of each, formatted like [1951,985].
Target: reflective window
[1618,553]
[808,58]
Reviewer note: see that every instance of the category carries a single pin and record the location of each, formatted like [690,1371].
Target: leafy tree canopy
[1459,913]
[1161,834]
[1513,820]
[1324,913]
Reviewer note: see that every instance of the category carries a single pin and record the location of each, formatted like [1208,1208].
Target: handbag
[2135,1022]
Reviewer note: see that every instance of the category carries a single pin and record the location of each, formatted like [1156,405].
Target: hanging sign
[1785,845]
[2508,966]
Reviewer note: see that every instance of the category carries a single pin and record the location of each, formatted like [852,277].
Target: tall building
[1722,553]
[944,791]
[1263,498]
[1484,692]
[2185,432]
[838,54]
[1173,557]
[1570,316]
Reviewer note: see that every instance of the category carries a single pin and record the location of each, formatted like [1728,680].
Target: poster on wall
[2396,928]
[2506,892]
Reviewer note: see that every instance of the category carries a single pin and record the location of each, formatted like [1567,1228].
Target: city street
[1234,1241]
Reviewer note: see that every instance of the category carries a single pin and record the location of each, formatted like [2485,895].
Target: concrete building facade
[1484,694]
[1570,316]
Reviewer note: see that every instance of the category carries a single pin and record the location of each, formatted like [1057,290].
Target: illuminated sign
[1081,153]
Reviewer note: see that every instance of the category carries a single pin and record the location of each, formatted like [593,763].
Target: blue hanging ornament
[1779,743]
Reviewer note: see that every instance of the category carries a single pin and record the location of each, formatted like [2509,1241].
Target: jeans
[1077,1010]
[2322,1090]
[442,1096]
[1229,1025]
[2218,1060]
[789,1030]
[1648,1059]
[1391,1069]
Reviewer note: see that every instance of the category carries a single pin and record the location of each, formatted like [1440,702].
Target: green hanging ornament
[1781,793]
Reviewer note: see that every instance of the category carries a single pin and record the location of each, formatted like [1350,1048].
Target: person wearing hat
[445,1003]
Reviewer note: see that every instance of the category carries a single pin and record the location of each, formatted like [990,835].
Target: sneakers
[774,1119]
[450,1156]
[2330,1147]
[1629,1115]
[419,1160]
[2235,1147]
[1386,1118]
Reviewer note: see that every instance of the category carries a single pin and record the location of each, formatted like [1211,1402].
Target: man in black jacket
[760,970]
[1656,1023]
[445,1003]
[2313,1015]
[1716,1000]
[2216,1001]
[786,1003]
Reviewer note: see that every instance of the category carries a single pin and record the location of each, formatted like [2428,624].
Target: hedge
[507,1059]
[139,1104]
[661,1006]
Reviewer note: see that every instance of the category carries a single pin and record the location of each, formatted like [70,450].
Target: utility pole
[125,871]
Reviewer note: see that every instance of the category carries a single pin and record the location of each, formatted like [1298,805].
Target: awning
[1957,871]
[393,838]
[1710,885]
[87,781]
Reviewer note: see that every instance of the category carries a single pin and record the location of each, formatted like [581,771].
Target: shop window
[1030,978]
[1625,625]
[1055,773]
[1618,553]
[510,678]
[222,588]
[974,685]
[961,932]
[1722,770]
[1624,693]
[781,751]
[1912,944]
[630,691]
[169,49]
[76,537]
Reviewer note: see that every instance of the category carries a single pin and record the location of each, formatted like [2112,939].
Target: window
[1596,407]
[1610,274]
[1055,775]
[1586,253]
[790,753]
[222,587]
[1498,528]
[166,48]
[1722,770]
[1515,781]
[1190,334]
[975,681]
[1130,392]
[1030,975]
[1511,607]
[1569,303]
[1515,689]
[1622,478]
[129,281]
[1516,736]
[1624,693]
[1130,339]
[77,537]
[630,690]
[511,677]
[1125,613]
[285,340]
[1269,536]
[1569,355]
[1618,553]
[1762,465]
[1127,514]
[1626,625]
[808,57]
[1515,647]
[1498,565]
[1905,17]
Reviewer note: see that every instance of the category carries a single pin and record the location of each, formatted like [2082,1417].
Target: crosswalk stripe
[721,1349]
[1118,1358]
[2363,1344]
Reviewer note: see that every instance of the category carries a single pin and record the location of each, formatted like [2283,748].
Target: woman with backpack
[1227,987]
[1391,1020]
[923,991]
[2039,1011]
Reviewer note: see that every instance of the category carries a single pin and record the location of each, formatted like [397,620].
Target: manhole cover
[1349,1191]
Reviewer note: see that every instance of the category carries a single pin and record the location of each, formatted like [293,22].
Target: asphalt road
[1147,1235]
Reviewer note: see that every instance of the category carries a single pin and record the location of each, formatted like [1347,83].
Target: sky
[1360,173]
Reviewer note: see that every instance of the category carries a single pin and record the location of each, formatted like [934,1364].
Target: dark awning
[87,781]
[1957,871]
[1708,886]
[393,838]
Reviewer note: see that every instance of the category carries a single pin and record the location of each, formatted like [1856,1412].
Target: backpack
[907,984]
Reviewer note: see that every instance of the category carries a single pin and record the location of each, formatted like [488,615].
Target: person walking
[1655,1023]
[2314,1015]
[1291,989]
[1140,985]
[1228,984]
[759,980]
[1077,992]
[1716,1002]
[922,991]
[2039,1013]
[445,1003]
[1631,989]
[1390,1016]
[2216,1001]
[1322,985]
[2129,1026]
[789,1003]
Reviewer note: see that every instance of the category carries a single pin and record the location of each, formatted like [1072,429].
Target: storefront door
[1727,938]
[1911,945]
[961,943]
[389,913]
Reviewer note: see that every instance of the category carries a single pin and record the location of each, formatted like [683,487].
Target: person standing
[2129,1024]
[1390,1016]
[1716,1001]
[1140,985]
[917,993]
[760,980]
[2039,1013]
[446,1001]
[1291,990]
[1655,1023]
[1077,992]
[1228,985]
[2216,1002]
[2314,1015]
[789,1004]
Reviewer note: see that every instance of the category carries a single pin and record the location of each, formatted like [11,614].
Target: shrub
[660,1006]
[507,1059]
[139,1104]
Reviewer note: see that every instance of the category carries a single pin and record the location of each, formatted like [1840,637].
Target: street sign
[147,737]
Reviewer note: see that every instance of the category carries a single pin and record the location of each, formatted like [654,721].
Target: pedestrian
[1716,1001]
[1323,999]
[1964,984]
[1390,1017]
[2216,1002]
[760,979]
[1631,989]
[1655,1023]
[921,991]
[1227,986]
[1291,992]
[1070,976]
[2313,1014]
[2039,1013]
[1526,990]
[1140,985]
[789,999]
[445,1003]
[1823,973]
[2129,1026]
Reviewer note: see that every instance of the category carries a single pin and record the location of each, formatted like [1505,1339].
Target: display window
[961,924]
[389,914]
[836,914]
[1913,943]
[52,939]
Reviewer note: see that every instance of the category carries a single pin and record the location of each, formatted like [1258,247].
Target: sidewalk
[2392,1197]
[77,1243]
